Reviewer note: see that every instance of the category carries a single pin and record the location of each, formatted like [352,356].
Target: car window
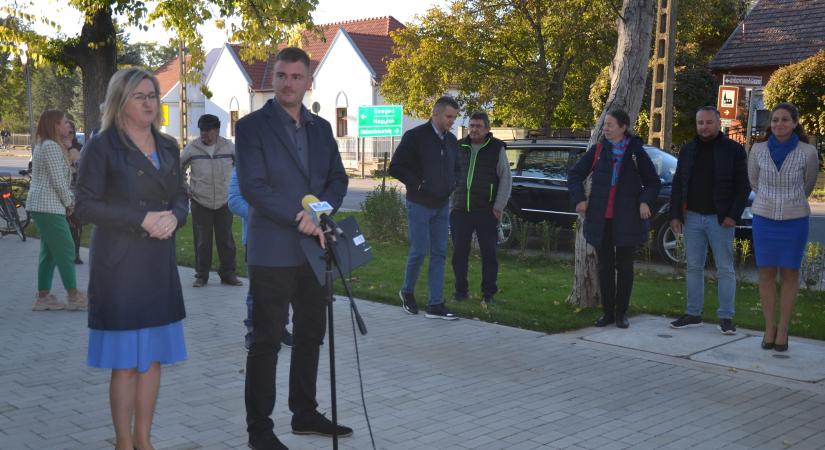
[513,156]
[664,163]
[550,164]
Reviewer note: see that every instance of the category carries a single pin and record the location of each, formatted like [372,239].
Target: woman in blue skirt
[130,186]
[782,172]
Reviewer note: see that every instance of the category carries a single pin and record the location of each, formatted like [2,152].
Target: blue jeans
[428,235]
[701,230]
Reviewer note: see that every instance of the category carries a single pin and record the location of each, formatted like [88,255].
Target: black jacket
[638,183]
[133,279]
[426,165]
[730,184]
[478,182]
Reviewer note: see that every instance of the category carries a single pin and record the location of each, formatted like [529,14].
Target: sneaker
[408,302]
[47,303]
[317,423]
[726,326]
[686,321]
[231,280]
[460,297]
[77,303]
[287,339]
[439,311]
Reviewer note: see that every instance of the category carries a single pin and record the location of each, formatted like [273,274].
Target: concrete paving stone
[491,387]
[806,361]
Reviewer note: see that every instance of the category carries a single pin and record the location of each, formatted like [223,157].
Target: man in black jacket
[710,190]
[425,161]
[482,193]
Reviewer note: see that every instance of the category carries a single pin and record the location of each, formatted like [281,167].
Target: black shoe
[621,321]
[287,339]
[199,282]
[439,311]
[266,442]
[78,260]
[780,347]
[408,302]
[460,297]
[317,423]
[231,280]
[605,320]
[487,301]
[686,320]
[726,326]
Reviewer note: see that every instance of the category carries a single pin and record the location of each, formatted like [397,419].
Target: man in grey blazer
[284,153]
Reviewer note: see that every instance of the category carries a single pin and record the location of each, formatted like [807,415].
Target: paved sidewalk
[430,384]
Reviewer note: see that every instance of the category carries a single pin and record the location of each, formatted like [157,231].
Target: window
[233,119]
[551,164]
[341,122]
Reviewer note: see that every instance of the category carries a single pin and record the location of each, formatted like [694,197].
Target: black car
[539,169]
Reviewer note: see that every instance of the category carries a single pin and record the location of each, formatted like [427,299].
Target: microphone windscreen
[308,200]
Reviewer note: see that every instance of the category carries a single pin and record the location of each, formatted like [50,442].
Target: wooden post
[661,98]
[184,122]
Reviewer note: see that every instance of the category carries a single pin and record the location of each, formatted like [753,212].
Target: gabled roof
[169,73]
[371,36]
[774,33]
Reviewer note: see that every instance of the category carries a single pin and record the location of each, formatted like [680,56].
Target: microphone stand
[329,228]
[329,259]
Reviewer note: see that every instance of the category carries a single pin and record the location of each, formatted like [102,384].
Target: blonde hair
[118,94]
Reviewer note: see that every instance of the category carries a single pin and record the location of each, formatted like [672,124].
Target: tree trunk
[628,76]
[96,55]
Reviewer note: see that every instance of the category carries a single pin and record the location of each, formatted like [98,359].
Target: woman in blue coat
[617,213]
[130,187]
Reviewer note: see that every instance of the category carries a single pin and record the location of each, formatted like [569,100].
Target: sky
[327,11]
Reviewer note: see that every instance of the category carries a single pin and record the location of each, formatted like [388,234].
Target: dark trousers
[76,228]
[462,226]
[272,288]
[615,273]
[205,223]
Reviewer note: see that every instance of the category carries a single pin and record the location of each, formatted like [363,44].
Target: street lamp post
[24,58]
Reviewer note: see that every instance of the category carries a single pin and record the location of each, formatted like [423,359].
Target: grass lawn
[534,289]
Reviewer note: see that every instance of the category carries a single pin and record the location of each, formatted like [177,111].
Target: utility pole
[24,59]
[184,121]
[661,98]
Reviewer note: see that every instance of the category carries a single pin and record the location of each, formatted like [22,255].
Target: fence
[17,140]
[366,155]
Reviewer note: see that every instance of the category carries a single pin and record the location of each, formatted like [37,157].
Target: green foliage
[54,87]
[511,57]
[385,215]
[813,265]
[802,84]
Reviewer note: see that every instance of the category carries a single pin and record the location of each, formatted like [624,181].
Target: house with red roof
[347,64]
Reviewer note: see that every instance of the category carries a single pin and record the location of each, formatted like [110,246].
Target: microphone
[319,211]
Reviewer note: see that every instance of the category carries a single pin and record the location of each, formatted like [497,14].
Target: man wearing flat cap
[210,160]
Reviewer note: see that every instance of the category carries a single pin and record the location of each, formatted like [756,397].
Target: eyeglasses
[141,97]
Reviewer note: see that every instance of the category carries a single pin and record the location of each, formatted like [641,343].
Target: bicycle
[13,215]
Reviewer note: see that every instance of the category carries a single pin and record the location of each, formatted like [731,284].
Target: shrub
[385,215]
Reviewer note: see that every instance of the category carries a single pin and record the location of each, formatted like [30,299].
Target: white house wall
[342,77]
[230,91]
[195,110]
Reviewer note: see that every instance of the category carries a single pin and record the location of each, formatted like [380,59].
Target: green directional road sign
[380,121]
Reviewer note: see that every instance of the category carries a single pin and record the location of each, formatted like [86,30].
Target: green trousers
[56,250]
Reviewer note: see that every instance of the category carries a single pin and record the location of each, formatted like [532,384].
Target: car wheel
[506,228]
[666,242]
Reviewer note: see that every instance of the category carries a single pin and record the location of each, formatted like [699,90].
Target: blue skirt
[779,243]
[136,349]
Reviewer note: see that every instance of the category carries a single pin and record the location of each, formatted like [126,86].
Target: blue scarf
[618,154]
[781,150]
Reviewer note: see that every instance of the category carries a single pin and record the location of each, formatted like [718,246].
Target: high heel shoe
[768,345]
[781,347]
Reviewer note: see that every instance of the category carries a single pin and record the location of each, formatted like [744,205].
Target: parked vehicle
[539,169]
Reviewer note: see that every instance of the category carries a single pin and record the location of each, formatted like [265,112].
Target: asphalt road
[13,164]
